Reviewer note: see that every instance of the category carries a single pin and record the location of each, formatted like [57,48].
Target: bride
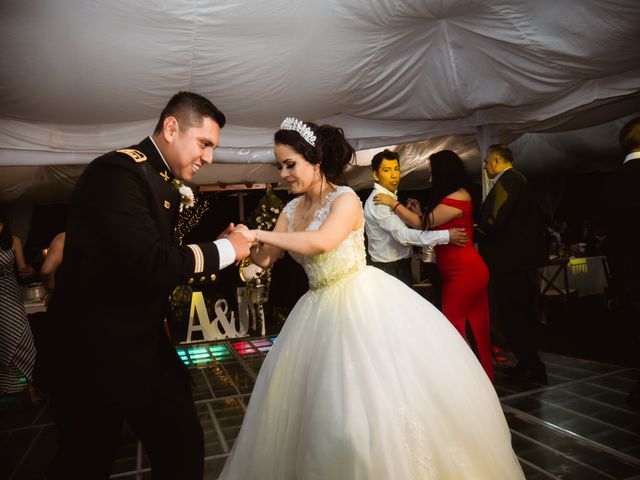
[367,379]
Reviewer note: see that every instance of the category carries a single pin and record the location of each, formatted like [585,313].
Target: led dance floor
[577,427]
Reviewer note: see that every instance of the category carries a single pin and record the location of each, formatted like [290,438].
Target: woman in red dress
[464,274]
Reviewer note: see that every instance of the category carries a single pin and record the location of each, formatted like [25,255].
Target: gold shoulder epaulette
[137,155]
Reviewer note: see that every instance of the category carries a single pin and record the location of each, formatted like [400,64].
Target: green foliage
[263,218]
[266,215]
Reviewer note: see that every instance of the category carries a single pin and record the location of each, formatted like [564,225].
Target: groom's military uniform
[109,357]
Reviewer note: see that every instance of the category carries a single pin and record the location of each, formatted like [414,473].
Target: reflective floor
[578,426]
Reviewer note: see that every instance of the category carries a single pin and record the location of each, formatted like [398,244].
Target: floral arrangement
[180,302]
[263,218]
[266,215]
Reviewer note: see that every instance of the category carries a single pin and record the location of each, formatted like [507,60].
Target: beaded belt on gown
[333,279]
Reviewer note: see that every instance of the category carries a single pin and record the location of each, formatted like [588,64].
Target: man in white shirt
[389,239]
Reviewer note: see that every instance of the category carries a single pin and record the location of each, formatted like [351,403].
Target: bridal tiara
[291,123]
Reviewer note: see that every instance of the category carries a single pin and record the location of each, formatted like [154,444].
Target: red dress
[464,283]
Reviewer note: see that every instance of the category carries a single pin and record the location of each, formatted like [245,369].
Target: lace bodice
[325,269]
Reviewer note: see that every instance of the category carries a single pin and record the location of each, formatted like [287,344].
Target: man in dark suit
[112,361]
[511,241]
[621,201]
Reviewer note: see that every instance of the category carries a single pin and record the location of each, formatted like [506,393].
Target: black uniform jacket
[120,265]
[510,234]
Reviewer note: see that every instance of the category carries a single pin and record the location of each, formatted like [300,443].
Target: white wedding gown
[369,381]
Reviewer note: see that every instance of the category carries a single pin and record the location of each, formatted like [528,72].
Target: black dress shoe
[537,374]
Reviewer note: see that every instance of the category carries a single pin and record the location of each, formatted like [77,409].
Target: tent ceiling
[81,78]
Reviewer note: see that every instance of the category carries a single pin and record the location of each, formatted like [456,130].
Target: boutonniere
[187,199]
[191,209]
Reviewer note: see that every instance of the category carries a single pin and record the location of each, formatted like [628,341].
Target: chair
[610,291]
[553,285]
[425,289]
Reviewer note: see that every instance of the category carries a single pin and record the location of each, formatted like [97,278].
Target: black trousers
[401,269]
[89,432]
[512,303]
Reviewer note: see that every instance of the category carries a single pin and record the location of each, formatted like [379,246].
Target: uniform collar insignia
[155,159]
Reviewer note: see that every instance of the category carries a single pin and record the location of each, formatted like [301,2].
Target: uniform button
[190,281]
[202,279]
[213,277]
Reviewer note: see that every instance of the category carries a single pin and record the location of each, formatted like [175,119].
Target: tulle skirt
[369,381]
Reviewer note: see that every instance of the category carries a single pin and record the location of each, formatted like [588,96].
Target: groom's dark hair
[190,108]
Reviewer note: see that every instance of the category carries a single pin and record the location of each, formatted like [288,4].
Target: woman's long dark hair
[332,151]
[448,174]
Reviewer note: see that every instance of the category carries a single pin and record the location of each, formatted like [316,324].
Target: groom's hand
[227,231]
[241,244]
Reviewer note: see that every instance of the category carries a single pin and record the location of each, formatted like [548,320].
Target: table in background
[586,275]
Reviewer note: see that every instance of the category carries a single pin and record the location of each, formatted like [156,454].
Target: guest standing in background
[52,261]
[621,201]
[17,349]
[464,274]
[389,239]
[511,240]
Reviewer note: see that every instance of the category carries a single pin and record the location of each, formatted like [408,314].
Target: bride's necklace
[306,213]
[311,210]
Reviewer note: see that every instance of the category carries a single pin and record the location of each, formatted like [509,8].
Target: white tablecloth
[585,274]
[588,275]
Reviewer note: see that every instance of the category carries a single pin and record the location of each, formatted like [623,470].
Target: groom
[113,362]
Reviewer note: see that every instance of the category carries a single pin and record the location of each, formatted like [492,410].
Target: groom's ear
[375,176]
[170,128]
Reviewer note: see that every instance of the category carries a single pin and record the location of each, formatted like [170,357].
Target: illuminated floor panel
[578,426]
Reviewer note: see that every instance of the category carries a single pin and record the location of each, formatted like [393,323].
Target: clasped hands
[241,238]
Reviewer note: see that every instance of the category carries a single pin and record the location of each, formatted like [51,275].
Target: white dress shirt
[226,252]
[390,239]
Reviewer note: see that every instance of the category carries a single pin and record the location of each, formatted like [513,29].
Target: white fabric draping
[81,78]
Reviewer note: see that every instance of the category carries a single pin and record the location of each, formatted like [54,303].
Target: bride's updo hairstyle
[320,145]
